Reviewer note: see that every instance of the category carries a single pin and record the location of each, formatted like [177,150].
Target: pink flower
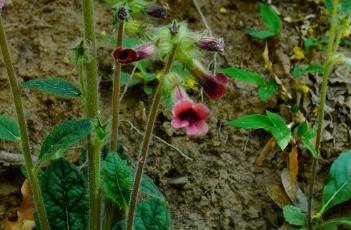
[211,44]
[189,115]
[126,56]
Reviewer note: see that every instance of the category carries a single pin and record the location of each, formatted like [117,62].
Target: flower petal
[201,111]
[221,78]
[197,128]
[182,106]
[125,56]
[213,89]
[178,123]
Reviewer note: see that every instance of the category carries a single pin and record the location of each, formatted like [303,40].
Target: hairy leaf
[65,193]
[117,180]
[8,129]
[253,121]
[148,187]
[293,215]
[54,86]
[245,76]
[63,136]
[338,188]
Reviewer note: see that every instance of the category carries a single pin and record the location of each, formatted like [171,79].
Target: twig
[159,139]
[127,83]
[13,158]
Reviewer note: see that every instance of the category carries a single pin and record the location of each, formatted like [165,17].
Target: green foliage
[307,134]
[54,86]
[293,215]
[117,180]
[338,188]
[148,187]
[345,6]
[271,21]
[65,192]
[267,91]
[300,71]
[63,136]
[9,129]
[311,42]
[272,123]
[334,223]
[152,214]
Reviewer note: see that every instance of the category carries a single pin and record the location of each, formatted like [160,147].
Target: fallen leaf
[277,193]
[269,146]
[293,170]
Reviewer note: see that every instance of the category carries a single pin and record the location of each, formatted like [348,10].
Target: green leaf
[293,215]
[310,146]
[338,188]
[299,71]
[334,223]
[65,193]
[63,136]
[268,90]
[245,76]
[117,180]
[270,18]
[345,6]
[263,34]
[280,131]
[125,79]
[152,214]
[54,86]
[148,187]
[302,129]
[9,129]
[252,121]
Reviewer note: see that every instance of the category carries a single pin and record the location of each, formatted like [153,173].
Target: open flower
[211,44]
[189,115]
[126,56]
[156,11]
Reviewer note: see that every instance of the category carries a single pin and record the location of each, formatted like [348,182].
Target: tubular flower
[211,44]
[189,115]
[214,86]
[126,56]
[156,11]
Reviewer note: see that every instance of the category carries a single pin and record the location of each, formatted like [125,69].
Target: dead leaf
[293,170]
[25,212]
[278,195]
[269,146]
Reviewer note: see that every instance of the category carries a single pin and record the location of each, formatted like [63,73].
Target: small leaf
[65,193]
[8,129]
[278,194]
[300,71]
[244,76]
[54,86]
[302,129]
[334,223]
[310,146]
[270,18]
[148,187]
[280,131]
[293,215]
[117,180]
[253,121]
[152,214]
[268,90]
[263,34]
[63,136]
[338,188]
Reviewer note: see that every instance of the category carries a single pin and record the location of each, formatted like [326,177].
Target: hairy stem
[91,110]
[16,93]
[323,94]
[145,144]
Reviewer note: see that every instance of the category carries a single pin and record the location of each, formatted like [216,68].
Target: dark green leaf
[293,215]
[302,129]
[63,136]
[245,76]
[310,146]
[152,214]
[270,18]
[345,6]
[338,188]
[9,129]
[263,34]
[65,195]
[117,180]
[54,86]
[299,71]
[148,187]
[280,131]
[267,91]
[334,223]
[253,121]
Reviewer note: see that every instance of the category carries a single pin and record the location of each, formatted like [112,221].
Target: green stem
[92,108]
[82,84]
[332,48]
[16,93]
[145,144]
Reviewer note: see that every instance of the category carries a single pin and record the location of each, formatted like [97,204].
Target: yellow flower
[190,83]
[223,10]
[303,88]
[298,53]
[346,33]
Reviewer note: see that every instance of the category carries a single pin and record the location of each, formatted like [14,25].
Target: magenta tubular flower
[211,44]
[126,56]
[156,11]
[189,115]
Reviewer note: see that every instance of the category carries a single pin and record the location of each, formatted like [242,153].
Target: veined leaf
[8,129]
[253,121]
[54,86]
[270,18]
[63,136]
[244,76]
[149,188]
[117,180]
[293,215]
[65,193]
[334,223]
[152,214]
[338,188]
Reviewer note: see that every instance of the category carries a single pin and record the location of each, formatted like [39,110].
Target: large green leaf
[152,214]
[293,215]
[338,188]
[334,223]
[149,188]
[270,18]
[8,129]
[244,76]
[54,86]
[63,136]
[117,180]
[253,121]
[280,131]
[65,193]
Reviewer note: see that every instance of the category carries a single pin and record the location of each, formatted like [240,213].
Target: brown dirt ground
[221,188]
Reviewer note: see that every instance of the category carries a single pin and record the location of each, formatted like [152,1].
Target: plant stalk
[16,93]
[332,48]
[146,142]
[91,110]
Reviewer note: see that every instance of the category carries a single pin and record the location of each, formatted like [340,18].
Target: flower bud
[122,13]
[156,11]
[126,56]
[211,44]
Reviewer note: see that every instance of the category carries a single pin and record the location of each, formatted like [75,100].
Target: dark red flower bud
[126,56]
[211,44]
[122,13]
[156,11]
